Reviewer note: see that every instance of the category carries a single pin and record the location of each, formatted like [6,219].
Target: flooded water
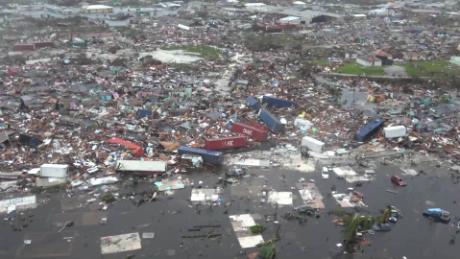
[172,216]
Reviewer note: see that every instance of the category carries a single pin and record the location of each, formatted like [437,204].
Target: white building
[97,9]
[290,20]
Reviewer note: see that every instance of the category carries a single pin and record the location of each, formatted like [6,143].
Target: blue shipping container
[141,113]
[213,157]
[253,103]
[276,102]
[271,121]
[369,129]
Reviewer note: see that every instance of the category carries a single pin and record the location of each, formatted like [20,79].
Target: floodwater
[171,216]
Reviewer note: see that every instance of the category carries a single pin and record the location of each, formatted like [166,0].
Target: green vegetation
[257,229]
[267,250]
[356,69]
[204,51]
[107,197]
[431,68]
[355,223]
[320,62]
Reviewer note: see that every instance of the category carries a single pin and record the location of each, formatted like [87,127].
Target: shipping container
[253,130]
[225,143]
[135,149]
[213,157]
[309,143]
[24,47]
[141,166]
[276,102]
[44,44]
[369,129]
[54,170]
[272,122]
[253,103]
[30,141]
[394,131]
[141,113]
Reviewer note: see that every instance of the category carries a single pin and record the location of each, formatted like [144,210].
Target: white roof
[97,7]
[299,3]
[289,18]
[169,4]
[254,4]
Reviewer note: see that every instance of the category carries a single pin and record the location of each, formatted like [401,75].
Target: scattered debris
[120,243]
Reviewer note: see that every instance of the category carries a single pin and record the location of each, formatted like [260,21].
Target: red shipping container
[24,47]
[43,44]
[225,143]
[254,130]
[135,149]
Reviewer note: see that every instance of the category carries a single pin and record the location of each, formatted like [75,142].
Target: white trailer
[394,131]
[54,170]
[141,166]
[309,143]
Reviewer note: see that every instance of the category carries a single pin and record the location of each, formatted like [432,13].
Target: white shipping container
[394,131]
[312,144]
[141,166]
[54,170]
[183,27]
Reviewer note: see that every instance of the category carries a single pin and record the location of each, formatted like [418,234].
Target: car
[437,214]
[381,227]
[305,209]
[396,180]
[236,172]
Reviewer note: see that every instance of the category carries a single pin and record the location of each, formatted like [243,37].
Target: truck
[225,143]
[272,122]
[368,130]
[253,130]
[209,156]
